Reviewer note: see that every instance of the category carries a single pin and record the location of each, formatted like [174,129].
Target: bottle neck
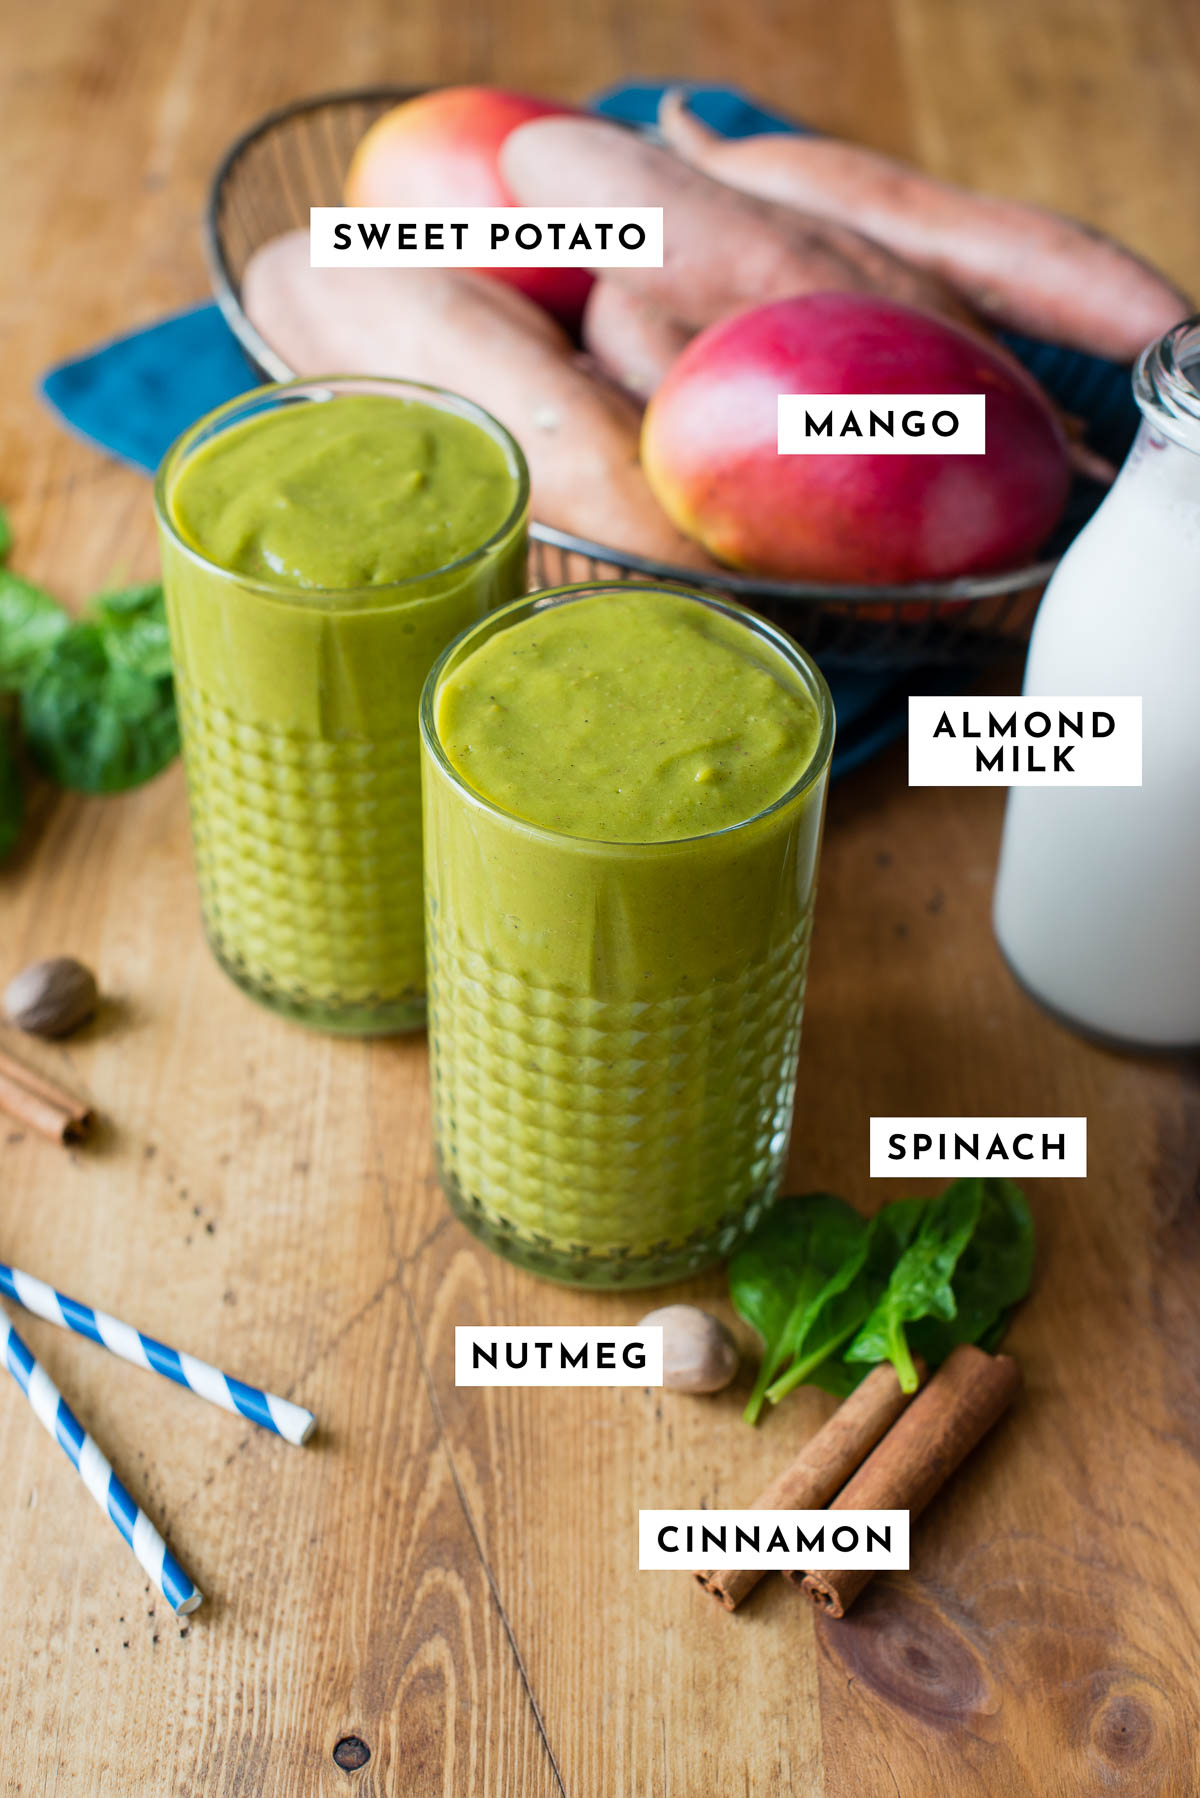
[1166,385]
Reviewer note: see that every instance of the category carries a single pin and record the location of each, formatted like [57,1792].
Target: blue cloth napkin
[135,394]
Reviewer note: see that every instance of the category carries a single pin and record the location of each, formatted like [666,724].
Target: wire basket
[297,157]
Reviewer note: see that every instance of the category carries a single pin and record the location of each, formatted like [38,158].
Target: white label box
[694,1541]
[881,424]
[485,236]
[1044,741]
[566,1355]
[903,1146]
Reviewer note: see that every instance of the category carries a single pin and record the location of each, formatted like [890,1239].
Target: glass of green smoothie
[322,542]
[624,790]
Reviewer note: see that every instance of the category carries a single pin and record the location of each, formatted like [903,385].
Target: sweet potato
[1019,265]
[631,339]
[723,250]
[439,148]
[471,335]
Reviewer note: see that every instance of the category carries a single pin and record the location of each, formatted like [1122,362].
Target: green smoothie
[361,491]
[634,719]
[623,802]
[321,546]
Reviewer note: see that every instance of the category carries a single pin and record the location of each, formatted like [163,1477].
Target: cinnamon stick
[822,1467]
[962,1401]
[41,1104]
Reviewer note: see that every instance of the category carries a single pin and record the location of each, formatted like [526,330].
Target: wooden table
[450,1577]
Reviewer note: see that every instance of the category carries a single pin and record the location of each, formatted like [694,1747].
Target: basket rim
[961,591]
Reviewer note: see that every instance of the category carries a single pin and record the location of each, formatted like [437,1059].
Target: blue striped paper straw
[290,1421]
[56,1416]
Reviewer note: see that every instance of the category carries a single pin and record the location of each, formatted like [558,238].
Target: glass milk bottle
[1097,905]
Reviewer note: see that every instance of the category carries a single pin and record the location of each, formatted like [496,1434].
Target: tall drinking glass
[614,1026]
[299,667]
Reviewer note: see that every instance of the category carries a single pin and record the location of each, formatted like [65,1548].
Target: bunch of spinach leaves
[832,1293]
[94,699]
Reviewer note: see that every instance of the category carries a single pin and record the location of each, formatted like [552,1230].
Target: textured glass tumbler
[614,1027]
[298,710]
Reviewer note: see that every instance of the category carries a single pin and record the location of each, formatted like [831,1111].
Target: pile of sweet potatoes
[754,229]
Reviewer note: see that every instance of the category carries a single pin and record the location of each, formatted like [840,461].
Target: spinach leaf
[97,698]
[12,798]
[30,621]
[781,1272]
[837,1377]
[920,1285]
[847,1300]
[5,535]
[134,621]
[993,1273]
[95,720]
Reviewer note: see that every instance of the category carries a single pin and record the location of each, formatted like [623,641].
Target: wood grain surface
[450,1577]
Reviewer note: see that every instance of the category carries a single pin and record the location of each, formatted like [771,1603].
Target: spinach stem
[799,1371]
[901,1359]
[766,1374]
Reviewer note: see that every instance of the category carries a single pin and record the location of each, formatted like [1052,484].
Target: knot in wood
[351,1753]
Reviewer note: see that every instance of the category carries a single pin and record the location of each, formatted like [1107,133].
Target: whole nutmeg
[699,1354]
[51,998]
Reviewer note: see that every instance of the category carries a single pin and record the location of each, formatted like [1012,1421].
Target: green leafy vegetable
[30,622]
[97,701]
[781,1274]
[839,1378]
[5,535]
[847,1301]
[993,1274]
[134,621]
[94,720]
[832,1295]
[99,707]
[920,1282]
[12,801]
